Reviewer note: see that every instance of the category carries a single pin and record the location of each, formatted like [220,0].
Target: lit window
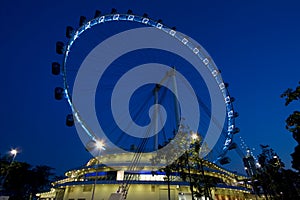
[130,17]
[214,73]
[230,113]
[230,128]
[145,20]
[172,32]
[222,86]
[159,26]
[205,61]
[227,99]
[184,41]
[116,17]
[101,19]
[196,50]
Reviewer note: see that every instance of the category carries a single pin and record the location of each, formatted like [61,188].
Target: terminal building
[98,181]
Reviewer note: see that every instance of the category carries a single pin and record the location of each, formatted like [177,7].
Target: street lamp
[14,153]
[99,145]
[194,136]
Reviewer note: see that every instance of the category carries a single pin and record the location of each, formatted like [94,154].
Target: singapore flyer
[135,85]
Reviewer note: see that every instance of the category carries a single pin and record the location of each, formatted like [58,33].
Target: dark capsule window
[97,13]
[69,31]
[55,68]
[224,161]
[59,47]
[69,120]
[82,20]
[58,93]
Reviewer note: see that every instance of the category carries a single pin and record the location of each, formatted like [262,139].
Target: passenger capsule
[60,47]
[69,120]
[225,161]
[232,146]
[113,11]
[69,31]
[82,20]
[55,68]
[97,14]
[58,93]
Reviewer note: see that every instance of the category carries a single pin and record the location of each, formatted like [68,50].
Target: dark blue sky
[256,45]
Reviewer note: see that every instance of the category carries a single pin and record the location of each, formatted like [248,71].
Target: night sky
[256,45]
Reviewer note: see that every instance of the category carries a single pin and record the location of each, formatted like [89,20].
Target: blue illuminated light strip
[95,174]
[198,51]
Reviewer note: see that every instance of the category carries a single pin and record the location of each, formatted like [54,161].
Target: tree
[189,165]
[167,156]
[191,169]
[293,123]
[169,169]
[21,180]
[41,178]
[275,181]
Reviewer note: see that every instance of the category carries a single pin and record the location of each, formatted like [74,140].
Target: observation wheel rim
[199,51]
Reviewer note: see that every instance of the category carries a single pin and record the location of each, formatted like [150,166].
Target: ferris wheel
[131,80]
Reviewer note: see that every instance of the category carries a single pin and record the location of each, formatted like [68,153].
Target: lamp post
[99,145]
[194,136]
[14,153]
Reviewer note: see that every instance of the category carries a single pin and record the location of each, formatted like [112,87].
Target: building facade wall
[136,191]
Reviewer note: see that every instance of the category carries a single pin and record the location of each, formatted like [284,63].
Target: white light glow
[184,41]
[14,152]
[88,25]
[172,32]
[194,136]
[222,86]
[215,73]
[227,99]
[195,50]
[116,17]
[205,61]
[130,17]
[230,113]
[120,175]
[101,19]
[147,177]
[145,20]
[159,26]
[230,128]
[100,145]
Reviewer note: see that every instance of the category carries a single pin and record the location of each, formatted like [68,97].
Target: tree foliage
[293,123]
[191,169]
[20,180]
[291,95]
[273,180]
